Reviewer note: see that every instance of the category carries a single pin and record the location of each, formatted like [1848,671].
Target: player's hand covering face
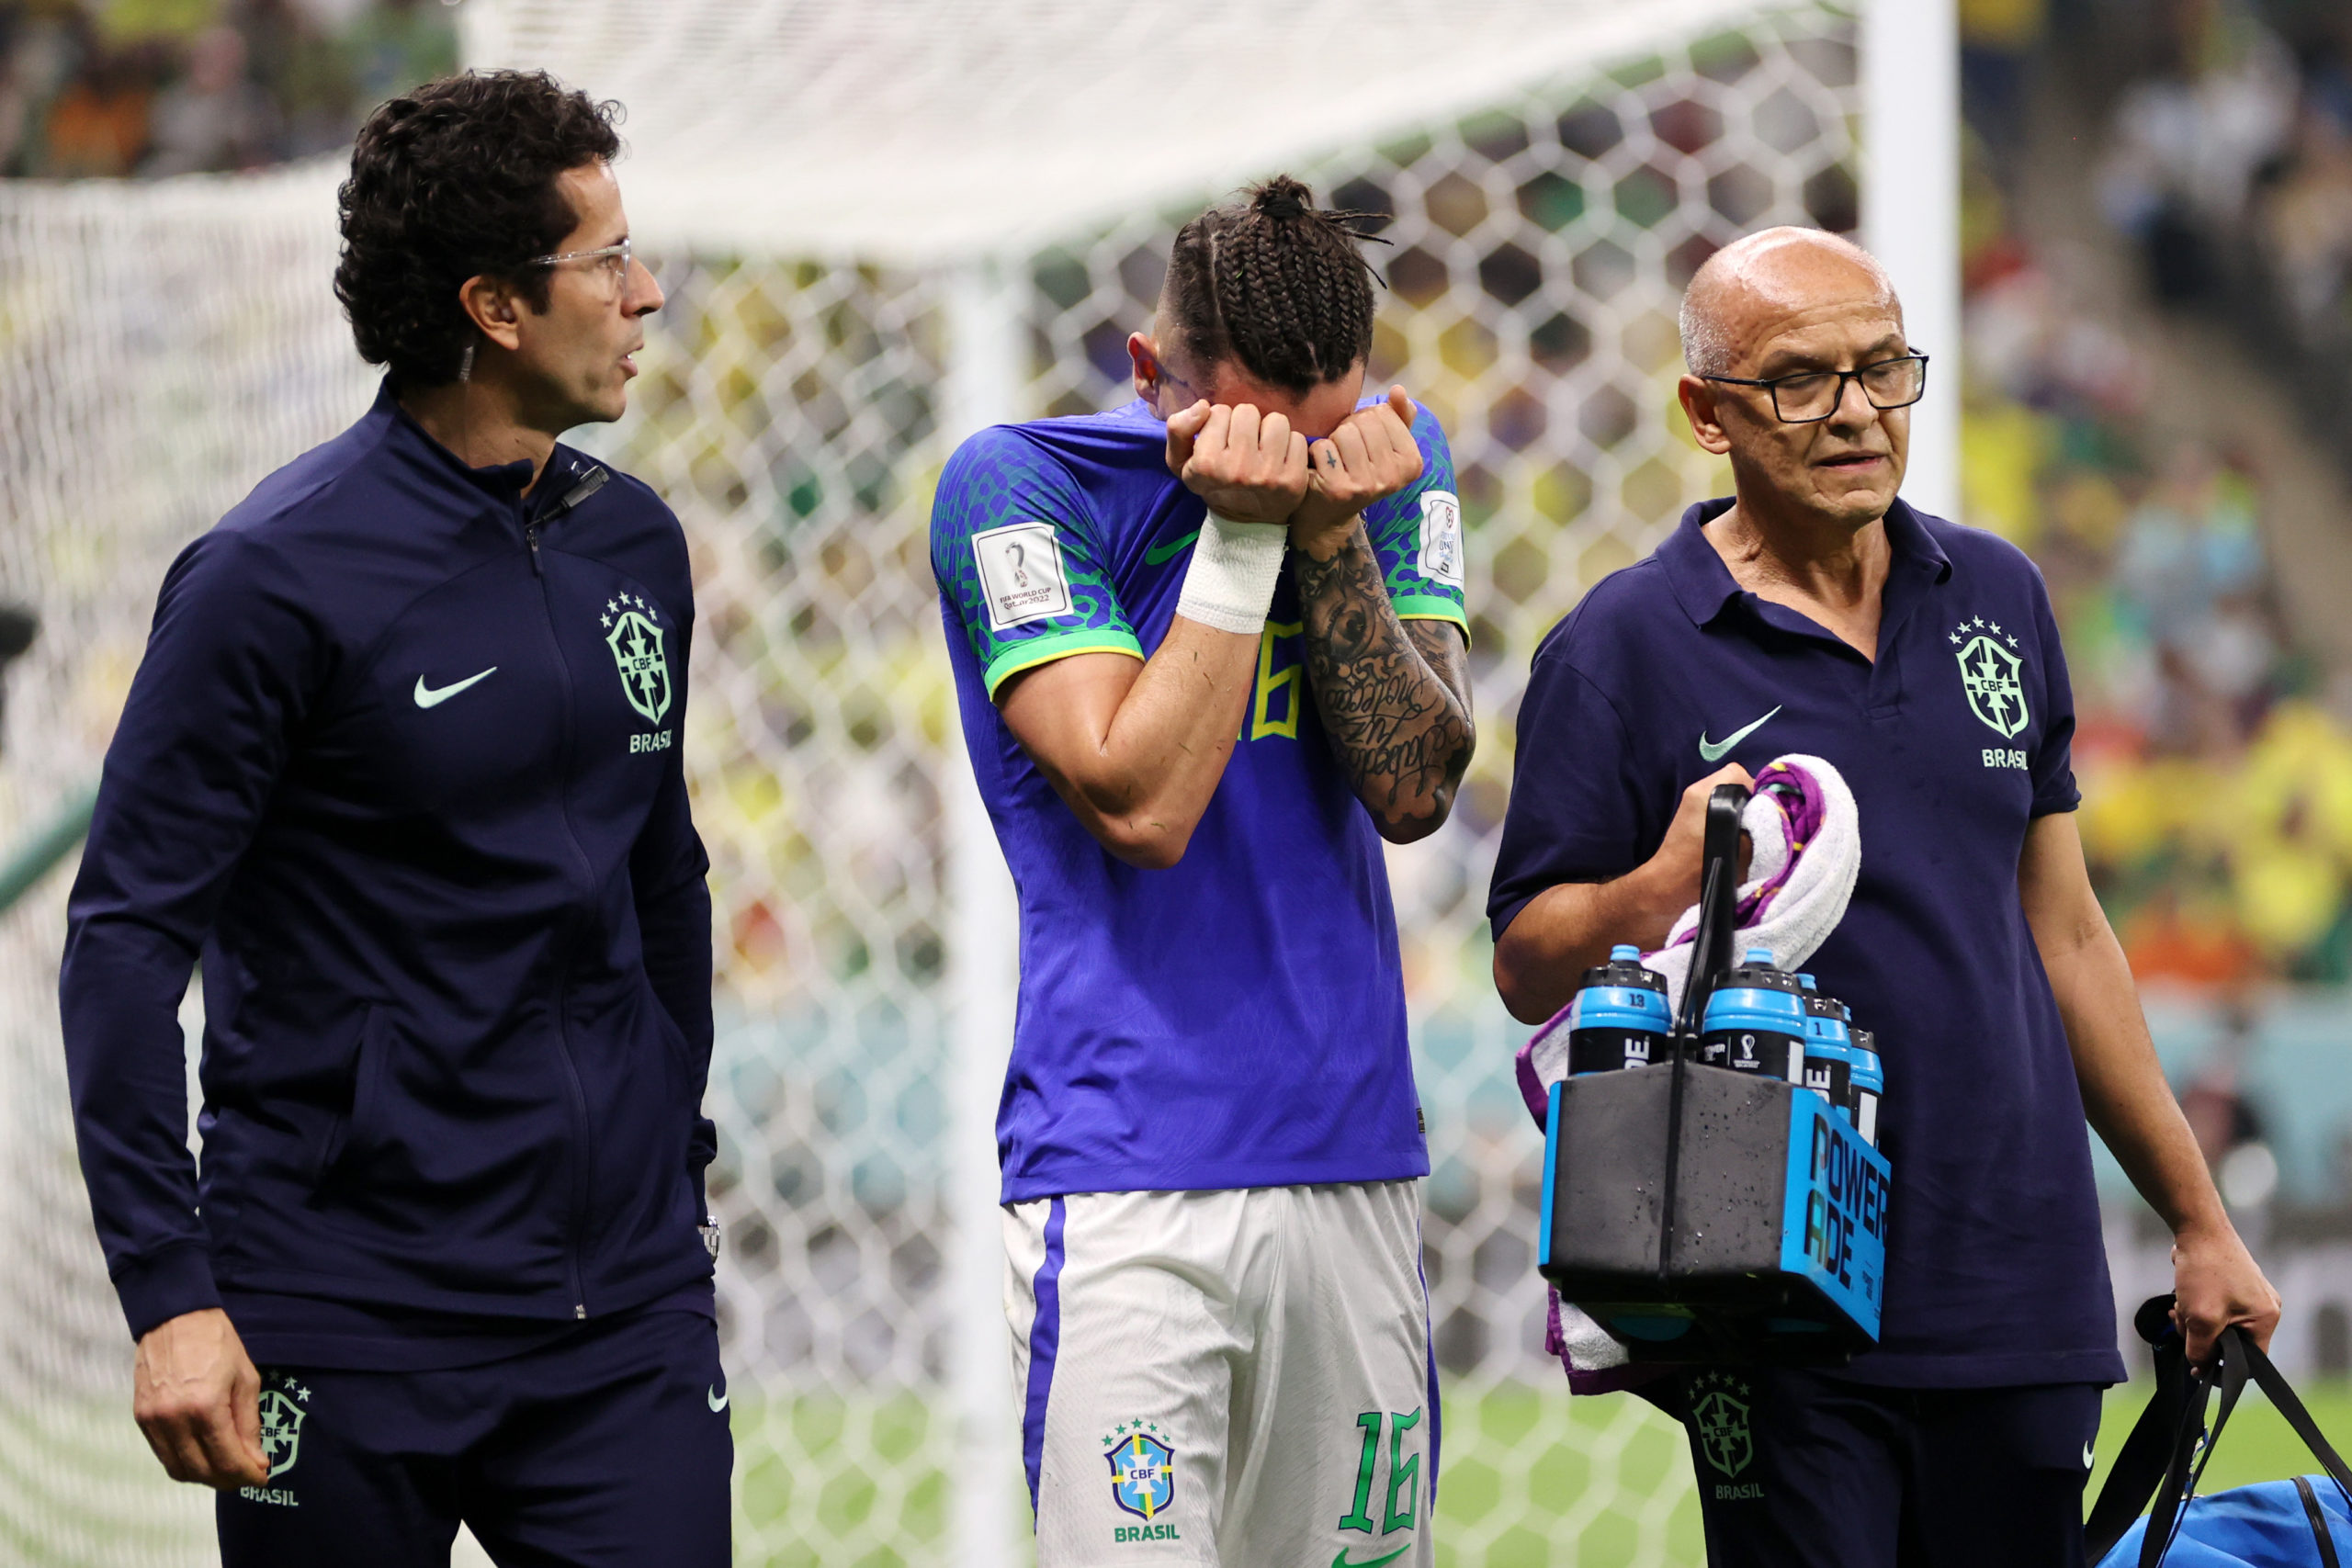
[1371,457]
[1250,467]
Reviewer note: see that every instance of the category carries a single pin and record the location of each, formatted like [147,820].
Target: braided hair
[1273,284]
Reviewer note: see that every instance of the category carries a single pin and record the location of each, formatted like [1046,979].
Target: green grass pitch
[1532,1477]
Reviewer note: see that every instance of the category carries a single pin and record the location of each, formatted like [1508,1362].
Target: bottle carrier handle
[1711,949]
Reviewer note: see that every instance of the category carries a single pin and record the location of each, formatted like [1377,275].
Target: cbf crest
[633,631]
[1143,1470]
[1719,1417]
[1990,674]
[281,1424]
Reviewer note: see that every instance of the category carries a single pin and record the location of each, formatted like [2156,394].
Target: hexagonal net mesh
[1537,256]
[168,345]
[1537,259]
[793,414]
[789,414]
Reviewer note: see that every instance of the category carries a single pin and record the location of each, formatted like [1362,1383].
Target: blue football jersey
[1237,1020]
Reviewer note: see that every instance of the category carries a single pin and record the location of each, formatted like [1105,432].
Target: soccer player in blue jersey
[1209,649]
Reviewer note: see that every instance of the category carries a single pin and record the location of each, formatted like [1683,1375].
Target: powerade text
[1848,1193]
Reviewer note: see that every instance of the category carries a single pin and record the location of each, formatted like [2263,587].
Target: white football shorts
[1237,1378]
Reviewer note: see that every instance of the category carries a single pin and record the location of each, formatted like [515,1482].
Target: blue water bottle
[1870,1085]
[1755,1021]
[1829,1048]
[1621,1018]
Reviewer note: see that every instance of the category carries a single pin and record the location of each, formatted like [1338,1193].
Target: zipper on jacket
[581,1175]
[588,486]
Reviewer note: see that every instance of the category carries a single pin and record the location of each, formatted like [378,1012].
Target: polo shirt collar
[1704,586]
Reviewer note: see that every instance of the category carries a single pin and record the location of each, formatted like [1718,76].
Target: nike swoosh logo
[718,1401]
[1715,750]
[2089,1461]
[1341,1559]
[426,697]
[1153,556]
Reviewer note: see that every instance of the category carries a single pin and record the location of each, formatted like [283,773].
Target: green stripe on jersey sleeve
[1045,650]
[1014,546]
[1430,607]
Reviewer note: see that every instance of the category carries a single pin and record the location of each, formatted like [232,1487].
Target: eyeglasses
[1812,396]
[613,263]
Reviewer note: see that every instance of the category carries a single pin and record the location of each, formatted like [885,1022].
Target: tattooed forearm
[1394,697]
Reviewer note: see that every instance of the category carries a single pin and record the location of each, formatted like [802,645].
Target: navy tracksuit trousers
[607,1448]
[1799,1470]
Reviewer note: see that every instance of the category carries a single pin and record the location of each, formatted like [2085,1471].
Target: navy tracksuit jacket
[402,767]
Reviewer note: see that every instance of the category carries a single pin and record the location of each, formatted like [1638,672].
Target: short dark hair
[1272,283]
[456,180]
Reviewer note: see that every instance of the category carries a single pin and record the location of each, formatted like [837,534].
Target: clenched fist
[1371,457]
[1249,467]
[1681,859]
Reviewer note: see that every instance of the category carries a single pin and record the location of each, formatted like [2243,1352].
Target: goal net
[174,342]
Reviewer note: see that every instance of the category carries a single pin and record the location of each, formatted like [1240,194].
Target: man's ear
[491,304]
[1697,397]
[1144,355]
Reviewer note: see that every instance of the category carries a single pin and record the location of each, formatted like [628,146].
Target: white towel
[1808,852]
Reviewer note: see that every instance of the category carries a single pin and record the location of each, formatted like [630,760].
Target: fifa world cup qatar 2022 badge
[1721,1408]
[1441,552]
[1992,674]
[1020,573]
[1143,1480]
[634,633]
[285,1404]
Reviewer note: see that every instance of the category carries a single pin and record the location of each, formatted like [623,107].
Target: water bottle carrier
[1702,1215]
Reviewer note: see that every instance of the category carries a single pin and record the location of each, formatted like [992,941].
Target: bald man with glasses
[1815,611]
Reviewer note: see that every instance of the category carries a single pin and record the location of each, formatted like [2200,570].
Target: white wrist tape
[1230,585]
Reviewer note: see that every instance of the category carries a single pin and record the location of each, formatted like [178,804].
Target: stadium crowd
[2216,772]
[104,89]
[2242,126]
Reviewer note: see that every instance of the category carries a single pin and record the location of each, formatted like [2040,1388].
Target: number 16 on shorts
[1399,1498]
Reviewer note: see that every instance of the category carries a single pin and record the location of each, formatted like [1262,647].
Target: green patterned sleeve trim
[1034,652]
[1416,534]
[1428,608]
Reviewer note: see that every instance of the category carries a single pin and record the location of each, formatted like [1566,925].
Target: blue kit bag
[2302,1522]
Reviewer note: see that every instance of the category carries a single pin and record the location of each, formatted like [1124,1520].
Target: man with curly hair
[401,770]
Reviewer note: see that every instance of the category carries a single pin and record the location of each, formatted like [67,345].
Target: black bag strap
[2283,1399]
[2146,1454]
[2169,1446]
[2184,1468]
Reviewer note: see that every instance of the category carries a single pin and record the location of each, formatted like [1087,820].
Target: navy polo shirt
[1953,741]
